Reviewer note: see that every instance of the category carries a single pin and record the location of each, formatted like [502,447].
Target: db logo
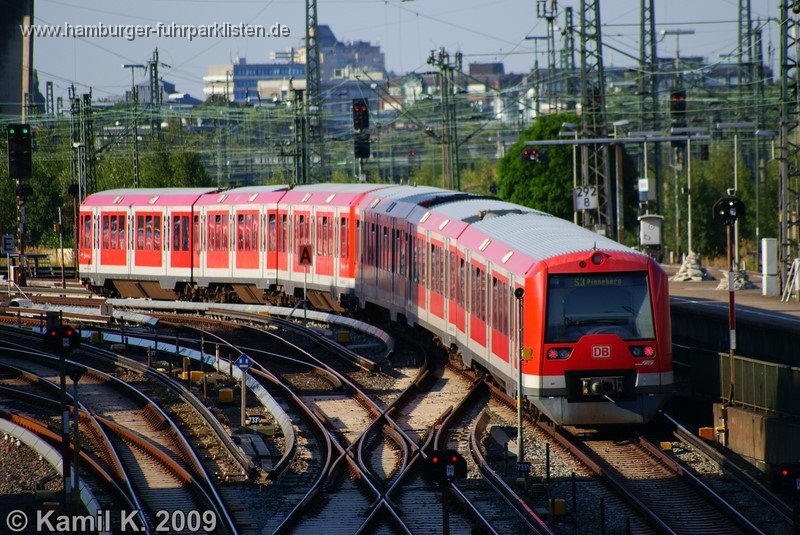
[601,352]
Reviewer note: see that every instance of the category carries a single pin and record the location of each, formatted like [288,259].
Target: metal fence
[762,385]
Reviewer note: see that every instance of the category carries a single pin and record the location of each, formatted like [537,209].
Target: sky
[483,30]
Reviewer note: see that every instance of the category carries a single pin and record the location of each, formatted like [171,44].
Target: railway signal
[360,114]
[786,478]
[533,155]
[19,151]
[445,465]
[361,145]
[59,338]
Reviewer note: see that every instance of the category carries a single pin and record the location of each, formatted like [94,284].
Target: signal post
[20,167]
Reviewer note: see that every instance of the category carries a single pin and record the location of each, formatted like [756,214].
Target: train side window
[344,245]
[140,233]
[176,233]
[284,233]
[157,233]
[273,232]
[105,243]
[113,235]
[185,233]
[196,233]
[121,243]
[226,232]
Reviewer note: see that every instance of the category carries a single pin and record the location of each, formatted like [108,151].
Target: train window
[437,269]
[106,240]
[324,236]
[196,233]
[371,245]
[246,232]
[113,240]
[283,233]
[397,252]
[479,293]
[344,250]
[602,303]
[156,245]
[462,282]
[140,232]
[184,233]
[176,233]
[386,249]
[273,232]
[453,277]
[218,232]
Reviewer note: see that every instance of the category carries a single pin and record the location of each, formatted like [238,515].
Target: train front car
[604,338]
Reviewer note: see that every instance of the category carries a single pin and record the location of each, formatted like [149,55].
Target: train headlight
[597,258]
[643,351]
[559,353]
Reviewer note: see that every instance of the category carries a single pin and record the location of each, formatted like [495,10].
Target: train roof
[450,218]
[541,236]
[330,194]
[245,195]
[147,196]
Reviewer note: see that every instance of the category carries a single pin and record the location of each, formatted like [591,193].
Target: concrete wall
[771,340]
[760,438]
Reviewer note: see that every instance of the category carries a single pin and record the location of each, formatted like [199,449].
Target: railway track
[161,466]
[660,488]
[733,482]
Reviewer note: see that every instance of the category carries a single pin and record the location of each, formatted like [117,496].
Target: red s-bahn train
[596,325]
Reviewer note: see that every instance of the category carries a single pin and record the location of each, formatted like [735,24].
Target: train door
[436,285]
[300,235]
[246,239]
[85,242]
[180,254]
[324,246]
[217,239]
[457,279]
[345,246]
[149,244]
[400,267]
[500,328]
[478,308]
[113,244]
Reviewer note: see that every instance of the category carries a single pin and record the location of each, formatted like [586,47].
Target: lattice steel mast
[594,158]
[648,89]
[789,149]
[313,109]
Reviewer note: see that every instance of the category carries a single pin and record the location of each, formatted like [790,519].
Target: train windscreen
[601,303]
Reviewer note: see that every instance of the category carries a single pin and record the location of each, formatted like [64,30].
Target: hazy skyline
[406,30]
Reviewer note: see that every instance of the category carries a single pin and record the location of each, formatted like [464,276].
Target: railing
[762,385]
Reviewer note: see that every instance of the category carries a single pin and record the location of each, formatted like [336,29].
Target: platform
[763,425]
[748,302]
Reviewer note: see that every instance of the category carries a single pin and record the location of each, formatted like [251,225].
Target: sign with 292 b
[584,198]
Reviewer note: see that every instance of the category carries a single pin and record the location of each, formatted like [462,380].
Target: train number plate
[601,352]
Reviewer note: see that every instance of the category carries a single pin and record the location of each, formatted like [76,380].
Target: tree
[543,186]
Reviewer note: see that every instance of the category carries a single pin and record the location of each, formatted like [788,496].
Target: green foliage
[478,179]
[545,187]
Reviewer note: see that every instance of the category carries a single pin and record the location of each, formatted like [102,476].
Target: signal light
[534,155]
[445,465]
[642,351]
[18,137]
[559,353]
[360,114]
[786,478]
